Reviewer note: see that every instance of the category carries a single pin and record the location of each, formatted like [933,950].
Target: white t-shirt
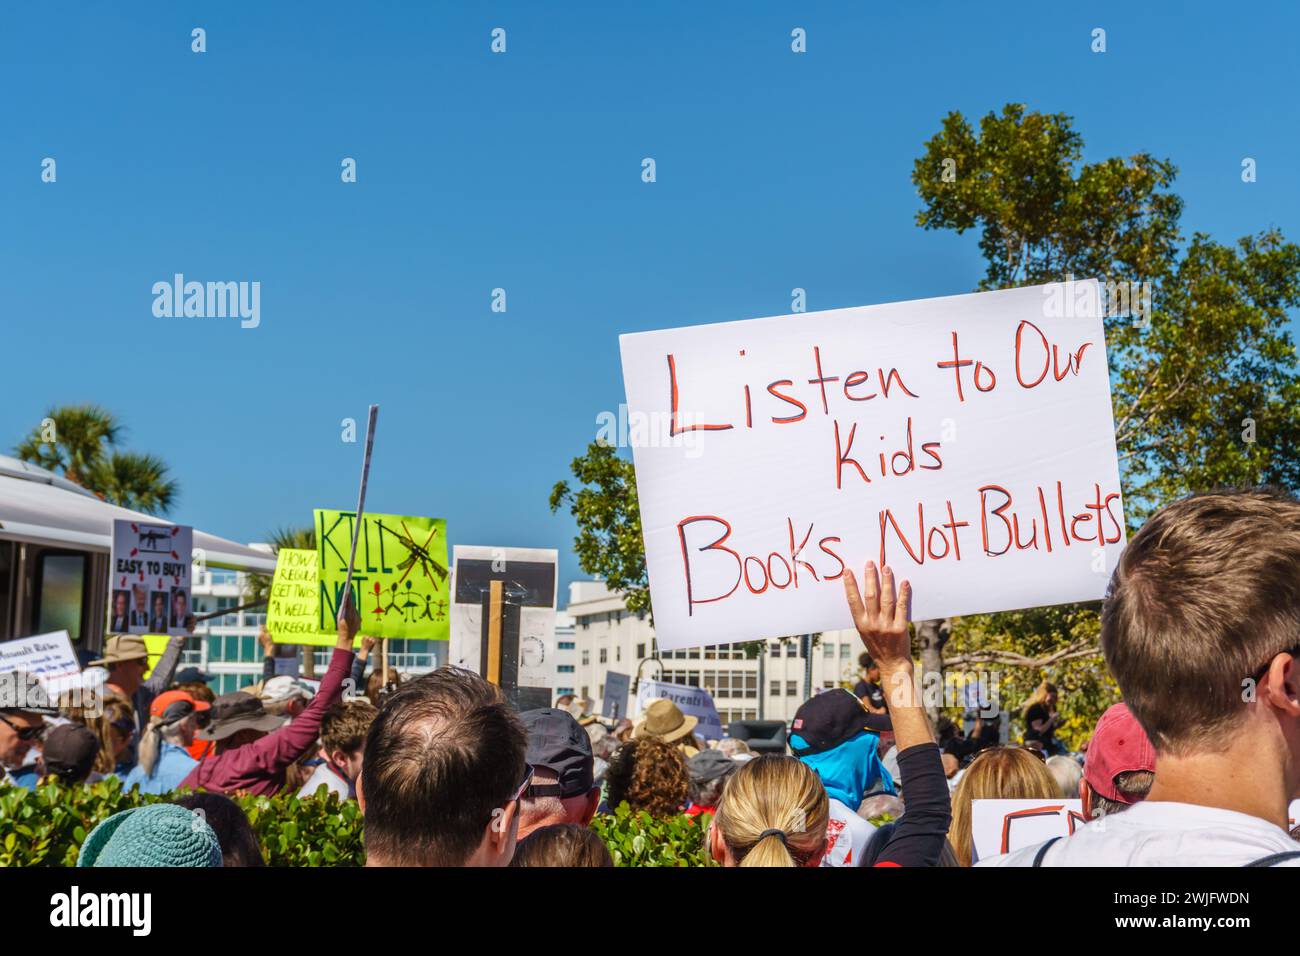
[323,774]
[1163,834]
[847,835]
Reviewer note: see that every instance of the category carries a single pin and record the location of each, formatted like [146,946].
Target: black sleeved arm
[919,837]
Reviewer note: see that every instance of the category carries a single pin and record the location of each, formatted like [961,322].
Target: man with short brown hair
[443,773]
[1201,628]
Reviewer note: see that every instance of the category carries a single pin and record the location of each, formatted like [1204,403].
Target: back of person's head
[773,813]
[732,746]
[444,755]
[563,788]
[239,846]
[70,752]
[198,690]
[376,690]
[1206,595]
[998,773]
[708,771]
[1120,766]
[1067,773]
[562,844]
[345,725]
[650,775]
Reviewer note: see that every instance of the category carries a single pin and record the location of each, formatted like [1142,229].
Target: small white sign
[49,658]
[149,586]
[1003,826]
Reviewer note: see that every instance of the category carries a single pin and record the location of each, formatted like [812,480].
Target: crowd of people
[1197,765]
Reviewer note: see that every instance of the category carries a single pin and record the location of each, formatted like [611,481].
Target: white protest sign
[967,442]
[525,638]
[1003,826]
[149,585]
[49,658]
[691,701]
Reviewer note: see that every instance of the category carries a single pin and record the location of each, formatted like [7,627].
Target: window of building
[828,651]
[561,691]
[776,688]
[564,669]
[604,655]
[565,645]
[618,652]
[791,688]
[846,651]
[776,648]
[586,657]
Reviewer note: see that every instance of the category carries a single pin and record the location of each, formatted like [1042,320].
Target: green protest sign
[401,581]
[291,606]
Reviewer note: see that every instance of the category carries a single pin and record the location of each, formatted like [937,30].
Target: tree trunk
[931,636]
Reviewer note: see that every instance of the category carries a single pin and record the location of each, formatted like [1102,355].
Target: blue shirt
[173,766]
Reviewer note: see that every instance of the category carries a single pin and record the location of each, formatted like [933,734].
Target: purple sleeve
[277,750]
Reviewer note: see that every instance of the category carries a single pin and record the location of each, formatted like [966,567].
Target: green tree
[80,442]
[605,505]
[1205,389]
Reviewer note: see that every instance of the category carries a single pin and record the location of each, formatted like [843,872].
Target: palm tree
[80,442]
[259,585]
[79,434]
[137,481]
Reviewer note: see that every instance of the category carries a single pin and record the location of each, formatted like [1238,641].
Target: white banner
[967,442]
[691,701]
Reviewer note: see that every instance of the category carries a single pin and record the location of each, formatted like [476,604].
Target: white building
[608,638]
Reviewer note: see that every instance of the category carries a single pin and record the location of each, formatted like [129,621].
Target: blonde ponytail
[773,813]
[150,745]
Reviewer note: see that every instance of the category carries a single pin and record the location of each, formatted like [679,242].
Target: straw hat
[122,647]
[665,720]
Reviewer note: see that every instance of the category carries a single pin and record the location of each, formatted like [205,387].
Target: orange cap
[169,697]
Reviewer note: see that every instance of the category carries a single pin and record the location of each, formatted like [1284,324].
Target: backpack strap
[1275,858]
[1042,852]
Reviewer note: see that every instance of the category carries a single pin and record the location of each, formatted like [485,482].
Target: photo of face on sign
[158,612]
[180,607]
[120,620]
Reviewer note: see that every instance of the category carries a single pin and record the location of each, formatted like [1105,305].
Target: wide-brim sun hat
[664,719]
[161,834]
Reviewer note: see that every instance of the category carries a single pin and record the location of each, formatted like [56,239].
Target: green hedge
[46,827]
[638,839]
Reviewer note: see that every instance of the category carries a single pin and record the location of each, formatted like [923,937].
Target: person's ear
[503,829]
[1282,691]
[717,846]
[593,804]
[361,797]
[1085,797]
[816,859]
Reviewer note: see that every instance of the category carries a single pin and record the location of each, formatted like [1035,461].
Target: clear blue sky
[522,171]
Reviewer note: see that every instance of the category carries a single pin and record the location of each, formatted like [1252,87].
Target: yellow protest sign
[292,601]
[401,581]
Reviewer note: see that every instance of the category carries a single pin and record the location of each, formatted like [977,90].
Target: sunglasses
[24,733]
[523,785]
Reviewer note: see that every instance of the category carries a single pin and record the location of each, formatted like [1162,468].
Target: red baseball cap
[1118,745]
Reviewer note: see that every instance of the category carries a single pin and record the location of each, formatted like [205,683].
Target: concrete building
[607,638]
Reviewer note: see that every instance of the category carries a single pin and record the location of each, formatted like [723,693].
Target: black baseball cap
[556,742]
[830,718]
[70,751]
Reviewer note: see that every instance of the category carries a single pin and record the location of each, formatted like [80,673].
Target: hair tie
[779,834]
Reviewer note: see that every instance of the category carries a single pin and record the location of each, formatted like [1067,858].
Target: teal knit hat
[161,834]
